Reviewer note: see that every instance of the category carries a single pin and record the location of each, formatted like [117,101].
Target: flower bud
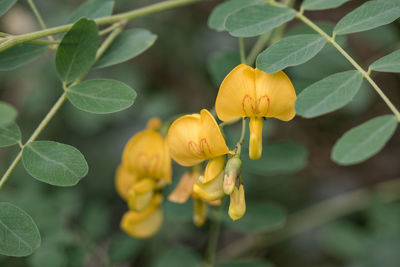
[237,206]
[232,170]
[200,212]
[141,194]
[255,146]
[211,190]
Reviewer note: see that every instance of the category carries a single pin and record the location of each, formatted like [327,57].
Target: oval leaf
[370,15]
[255,20]
[7,114]
[54,163]
[101,96]
[93,9]
[20,54]
[219,15]
[127,45]
[389,63]
[328,94]
[9,135]
[364,141]
[77,50]
[322,4]
[19,233]
[5,5]
[290,51]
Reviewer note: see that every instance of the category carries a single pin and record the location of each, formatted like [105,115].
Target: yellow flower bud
[237,206]
[232,170]
[200,212]
[255,146]
[141,194]
[214,167]
[211,190]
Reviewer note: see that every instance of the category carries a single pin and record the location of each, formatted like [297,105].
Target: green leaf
[221,63]
[126,46]
[10,134]
[48,257]
[389,63]
[20,54]
[278,158]
[322,4]
[7,114]
[54,163]
[93,9]
[77,50]
[364,141]
[260,217]
[290,51]
[123,248]
[101,96]
[5,5]
[19,233]
[255,20]
[246,262]
[370,15]
[178,257]
[328,94]
[219,15]
[95,220]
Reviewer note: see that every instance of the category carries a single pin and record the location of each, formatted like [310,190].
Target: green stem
[258,47]
[364,73]
[228,123]
[242,50]
[130,15]
[241,139]
[38,17]
[213,238]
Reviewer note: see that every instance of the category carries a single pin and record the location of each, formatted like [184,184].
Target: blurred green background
[180,74]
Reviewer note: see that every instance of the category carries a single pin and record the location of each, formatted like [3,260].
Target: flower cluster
[145,169]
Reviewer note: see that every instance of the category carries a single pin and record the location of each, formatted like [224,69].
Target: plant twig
[39,17]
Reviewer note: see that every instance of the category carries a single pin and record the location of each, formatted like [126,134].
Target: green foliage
[221,63]
[54,163]
[10,134]
[388,63]
[95,220]
[51,257]
[290,51]
[255,20]
[364,141]
[329,94]
[127,45]
[219,14]
[370,15]
[8,114]
[123,248]
[93,9]
[20,54]
[178,257]
[20,236]
[6,5]
[322,4]
[101,96]
[247,263]
[77,50]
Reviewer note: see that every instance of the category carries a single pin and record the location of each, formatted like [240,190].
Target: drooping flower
[237,206]
[249,92]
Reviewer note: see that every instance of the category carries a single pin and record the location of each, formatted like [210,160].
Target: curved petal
[212,190]
[236,94]
[124,180]
[237,206]
[141,194]
[255,144]
[139,226]
[211,140]
[214,167]
[184,188]
[275,95]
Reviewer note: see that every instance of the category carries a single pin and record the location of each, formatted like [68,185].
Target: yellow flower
[145,223]
[237,206]
[141,193]
[249,92]
[124,180]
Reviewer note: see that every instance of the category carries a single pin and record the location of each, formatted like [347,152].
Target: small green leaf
[255,20]
[328,94]
[322,4]
[219,15]
[364,141]
[101,96]
[126,46]
[19,233]
[290,51]
[388,63]
[5,5]
[278,158]
[54,163]
[7,114]
[9,134]
[260,217]
[93,9]
[371,14]
[77,50]
[20,54]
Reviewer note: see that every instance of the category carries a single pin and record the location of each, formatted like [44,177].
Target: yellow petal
[275,95]
[212,190]
[124,180]
[200,212]
[141,194]
[185,187]
[236,95]
[214,167]
[237,206]
[255,144]
[140,226]
[147,154]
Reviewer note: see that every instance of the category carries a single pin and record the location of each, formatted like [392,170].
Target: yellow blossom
[141,193]
[249,92]
[124,180]
[237,206]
